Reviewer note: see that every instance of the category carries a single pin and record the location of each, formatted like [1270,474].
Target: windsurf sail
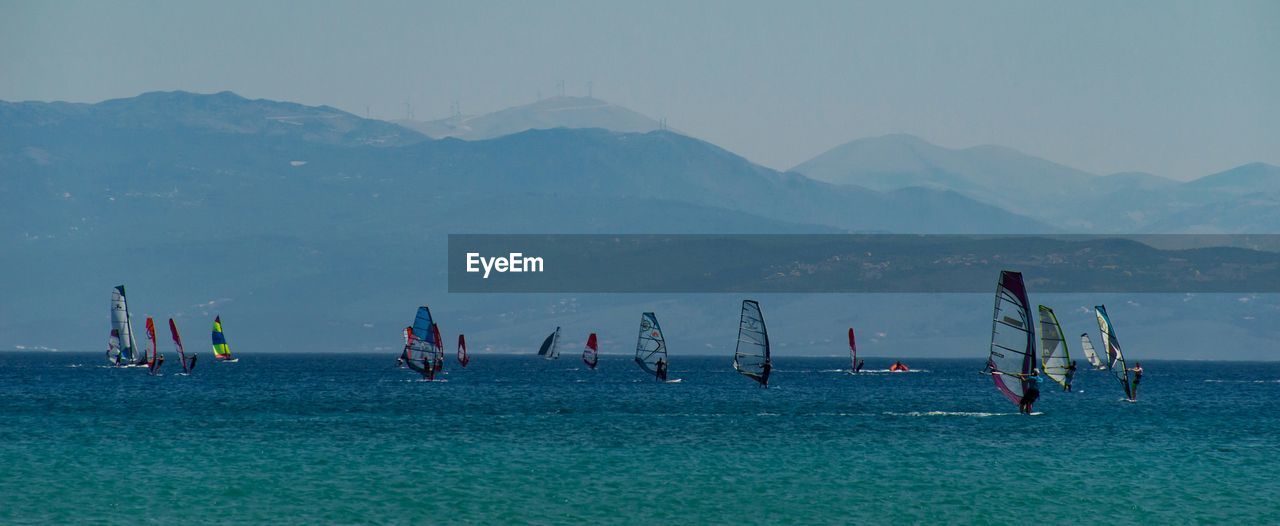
[122,324]
[1054,357]
[651,346]
[221,351]
[853,352]
[751,357]
[420,352]
[1013,337]
[188,364]
[591,354]
[151,343]
[439,358]
[113,347]
[549,346]
[1115,358]
[463,359]
[1089,353]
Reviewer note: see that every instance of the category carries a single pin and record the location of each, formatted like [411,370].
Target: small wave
[972,414]
[1242,381]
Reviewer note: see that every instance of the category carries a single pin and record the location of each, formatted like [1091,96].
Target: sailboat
[549,349]
[463,359]
[1115,358]
[188,364]
[751,357]
[591,354]
[1055,360]
[154,358]
[854,365]
[1013,337]
[651,347]
[126,351]
[420,352]
[1091,354]
[221,351]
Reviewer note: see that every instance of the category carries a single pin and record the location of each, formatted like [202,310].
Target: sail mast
[751,358]
[1054,357]
[1012,337]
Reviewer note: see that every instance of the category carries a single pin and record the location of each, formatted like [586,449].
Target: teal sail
[1115,358]
[420,351]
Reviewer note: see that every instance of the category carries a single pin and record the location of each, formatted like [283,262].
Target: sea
[308,438]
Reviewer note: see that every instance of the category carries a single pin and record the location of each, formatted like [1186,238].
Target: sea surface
[344,439]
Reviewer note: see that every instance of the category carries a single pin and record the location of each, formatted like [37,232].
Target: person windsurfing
[660,369]
[113,348]
[1137,377]
[155,365]
[859,366]
[191,363]
[1070,375]
[1030,391]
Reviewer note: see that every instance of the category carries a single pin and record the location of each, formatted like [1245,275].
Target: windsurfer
[764,374]
[1137,377]
[1030,391]
[859,367]
[1071,374]
[660,369]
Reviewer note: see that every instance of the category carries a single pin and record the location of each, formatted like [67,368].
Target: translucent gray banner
[480,263]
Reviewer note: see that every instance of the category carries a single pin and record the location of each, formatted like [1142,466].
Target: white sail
[1089,352]
[122,323]
[1115,358]
[1054,358]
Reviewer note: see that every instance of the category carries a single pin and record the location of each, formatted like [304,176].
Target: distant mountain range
[1245,199]
[312,227]
[545,114]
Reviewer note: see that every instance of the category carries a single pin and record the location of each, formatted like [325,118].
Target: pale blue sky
[1176,88]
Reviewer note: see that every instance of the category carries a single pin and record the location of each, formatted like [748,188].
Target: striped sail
[1089,352]
[1013,338]
[751,357]
[420,351]
[221,351]
[651,346]
[549,349]
[151,344]
[1115,358]
[591,353]
[1054,357]
[122,327]
[463,358]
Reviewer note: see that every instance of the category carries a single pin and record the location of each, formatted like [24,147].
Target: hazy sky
[1179,89]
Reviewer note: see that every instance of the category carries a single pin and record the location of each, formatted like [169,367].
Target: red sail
[462,351]
[439,358]
[853,351]
[591,355]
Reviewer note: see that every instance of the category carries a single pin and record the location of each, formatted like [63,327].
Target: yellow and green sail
[220,349]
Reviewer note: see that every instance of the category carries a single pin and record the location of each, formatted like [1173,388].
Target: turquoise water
[296,439]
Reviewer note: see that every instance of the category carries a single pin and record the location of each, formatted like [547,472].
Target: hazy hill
[554,112]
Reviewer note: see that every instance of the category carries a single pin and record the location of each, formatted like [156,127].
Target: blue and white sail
[550,348]
[651,346]
[1115,358]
